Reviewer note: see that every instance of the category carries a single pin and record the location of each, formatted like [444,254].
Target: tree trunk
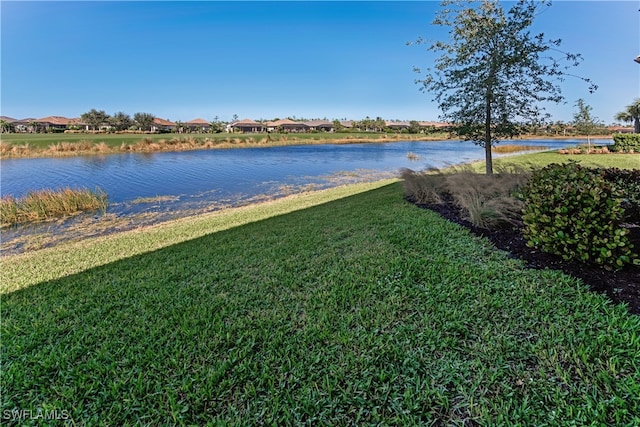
[636,125]
[488,159]
[487,117]
[487,137]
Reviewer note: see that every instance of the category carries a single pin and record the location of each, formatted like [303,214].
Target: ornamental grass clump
[574,212]
[486,201]
[424,187]
[47,204]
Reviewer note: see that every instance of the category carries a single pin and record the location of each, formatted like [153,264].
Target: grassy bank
[63,260]
[76,144]
[72,144]
[352,308]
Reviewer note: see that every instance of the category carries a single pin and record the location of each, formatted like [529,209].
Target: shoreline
[147,145]
[33,237]
[25,238]
[69,257]
[159,143]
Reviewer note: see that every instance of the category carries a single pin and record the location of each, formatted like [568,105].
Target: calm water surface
[180,183]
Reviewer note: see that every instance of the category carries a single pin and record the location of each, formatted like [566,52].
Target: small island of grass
[46,204]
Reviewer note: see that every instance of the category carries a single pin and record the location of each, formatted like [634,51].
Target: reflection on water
[145,188]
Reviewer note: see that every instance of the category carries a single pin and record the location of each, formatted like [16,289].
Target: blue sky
[262,60]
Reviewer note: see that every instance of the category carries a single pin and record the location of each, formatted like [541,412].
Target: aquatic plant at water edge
[47,204]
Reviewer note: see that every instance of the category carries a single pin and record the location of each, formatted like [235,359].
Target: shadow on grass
[364,309]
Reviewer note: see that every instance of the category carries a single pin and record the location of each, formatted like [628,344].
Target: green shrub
[628,182]
[575,212]
[626,143]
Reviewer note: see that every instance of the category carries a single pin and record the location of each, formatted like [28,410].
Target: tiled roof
[162,122]
[198,121]
[26,121]
[620,128]
[397,124]
[246,122]
[54,120]
[434,124]
[318,123]
[285,122]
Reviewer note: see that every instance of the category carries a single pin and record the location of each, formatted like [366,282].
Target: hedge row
[626,143]
[578,213]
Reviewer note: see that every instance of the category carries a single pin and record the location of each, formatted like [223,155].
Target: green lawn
[541,159]
[347,307]
[43,140]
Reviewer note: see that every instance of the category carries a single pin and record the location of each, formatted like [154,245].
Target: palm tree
[631,114]
[5,126]
[33,125]
[214,125]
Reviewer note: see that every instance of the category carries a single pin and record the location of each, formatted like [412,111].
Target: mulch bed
[621,286]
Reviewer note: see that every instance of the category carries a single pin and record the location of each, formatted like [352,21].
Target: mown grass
[46,204]
[538,160]
[361,310]
[63,260]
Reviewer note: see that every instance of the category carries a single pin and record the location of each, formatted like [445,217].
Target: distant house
[61,124]
[621,129]
[53,123]
[286,125]
[27,125]
[44,124]
[162,125]
[436,125]
[77,123]
[246,126]
[8,124]
[320,125]
[397,125]
[197,125]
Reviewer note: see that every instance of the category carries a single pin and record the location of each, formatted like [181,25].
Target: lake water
[168,185]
